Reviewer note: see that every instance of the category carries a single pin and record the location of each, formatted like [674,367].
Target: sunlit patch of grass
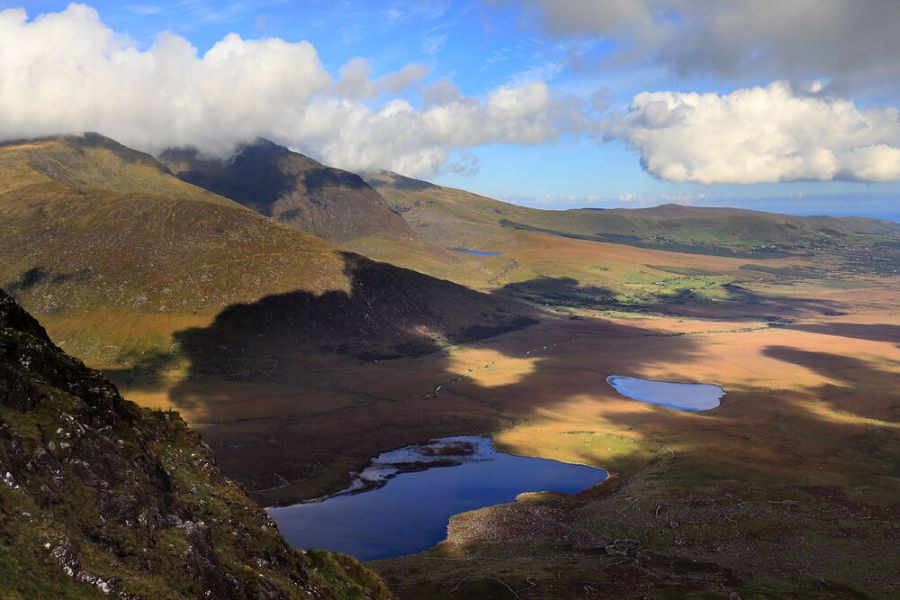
[489,368]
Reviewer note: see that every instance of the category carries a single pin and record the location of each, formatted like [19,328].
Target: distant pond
[476,252]
[671,394]
[401,503]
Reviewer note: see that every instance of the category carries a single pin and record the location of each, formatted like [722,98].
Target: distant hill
[450,217]
[332,204]
[99,497]
[459,218]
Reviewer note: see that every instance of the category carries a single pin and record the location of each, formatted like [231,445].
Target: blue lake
[476,252]
[401,503]
[671,394]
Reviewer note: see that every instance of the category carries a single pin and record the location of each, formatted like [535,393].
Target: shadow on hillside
[561,291]
[143,372]
[256,176]
[27,280]
[309,387]
[740,304]
[855,376]
[252,177]
[324,177]
[391,325]
[862,331]
[387,313]
[31,278]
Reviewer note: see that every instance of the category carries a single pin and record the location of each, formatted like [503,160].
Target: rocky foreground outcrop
[99,497]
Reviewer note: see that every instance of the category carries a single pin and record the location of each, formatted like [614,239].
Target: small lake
[476,252]
[681,396]
[401,503]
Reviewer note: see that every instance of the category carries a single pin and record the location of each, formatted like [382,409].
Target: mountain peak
[293,188]
[92,161]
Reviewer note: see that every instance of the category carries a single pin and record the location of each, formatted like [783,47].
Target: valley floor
[788,489]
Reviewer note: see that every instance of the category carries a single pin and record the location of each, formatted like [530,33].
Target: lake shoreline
[677,395]
[402,502]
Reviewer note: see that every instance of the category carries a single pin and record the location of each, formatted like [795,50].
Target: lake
[476,252]
[401,503]
[671,394]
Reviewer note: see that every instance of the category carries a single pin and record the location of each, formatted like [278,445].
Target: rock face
[99,497]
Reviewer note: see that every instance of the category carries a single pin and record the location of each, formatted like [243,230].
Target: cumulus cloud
[421,140]
[67,72]
[356,80]
[853,43]
[761,134]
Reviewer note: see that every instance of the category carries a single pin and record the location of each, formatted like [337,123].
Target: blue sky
[591,59]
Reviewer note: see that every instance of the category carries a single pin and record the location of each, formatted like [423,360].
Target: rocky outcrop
[99,497]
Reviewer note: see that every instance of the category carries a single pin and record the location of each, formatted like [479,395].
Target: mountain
[100,497]
[90,161]
[115,254]
[178,294]
[93,228]
[450,217]
[456,218]
[332,204]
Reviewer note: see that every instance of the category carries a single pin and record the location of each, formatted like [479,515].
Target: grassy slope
[623,259]
[115,254]
[294,189]
[112,231]
[95,162]
[99,496]
[457,218]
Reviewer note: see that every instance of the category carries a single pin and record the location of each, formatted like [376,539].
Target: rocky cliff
[99,497]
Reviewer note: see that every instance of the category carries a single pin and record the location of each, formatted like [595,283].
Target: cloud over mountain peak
[67,72]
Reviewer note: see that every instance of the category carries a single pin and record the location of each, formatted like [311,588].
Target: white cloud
[762,134]
[356,80]
[853,43]
[67,72]
[144,10]
[421,141]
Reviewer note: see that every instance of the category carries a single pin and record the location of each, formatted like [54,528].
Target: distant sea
[886,207]
[844,206]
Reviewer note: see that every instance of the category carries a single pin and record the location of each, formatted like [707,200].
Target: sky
[765,104]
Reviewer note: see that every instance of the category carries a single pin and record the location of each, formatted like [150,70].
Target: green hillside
[456,218]
[91,161]
[116,254]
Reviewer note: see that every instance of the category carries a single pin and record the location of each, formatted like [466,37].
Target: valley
[298,359]
[801,456]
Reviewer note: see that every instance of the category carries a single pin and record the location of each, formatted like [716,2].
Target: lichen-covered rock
[99,497]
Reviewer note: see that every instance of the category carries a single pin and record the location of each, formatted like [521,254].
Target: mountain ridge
[292,188]
[171,257]
[461,218]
